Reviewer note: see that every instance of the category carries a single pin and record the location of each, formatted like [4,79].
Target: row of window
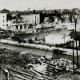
[20,27]
[3,19]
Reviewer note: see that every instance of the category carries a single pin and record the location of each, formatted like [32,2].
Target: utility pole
[63,37]
[76,40]
[64,41]
[73,54]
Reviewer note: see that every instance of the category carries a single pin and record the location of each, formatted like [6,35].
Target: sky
[38,4]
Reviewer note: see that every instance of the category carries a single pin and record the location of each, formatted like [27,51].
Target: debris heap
[59,65]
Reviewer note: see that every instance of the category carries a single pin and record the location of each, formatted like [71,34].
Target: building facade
[17,27]
[20,27]
[31,19]
[3,20]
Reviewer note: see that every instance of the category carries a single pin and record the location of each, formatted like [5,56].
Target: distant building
[31,19]
[18,27]
[68,17]
[3,20]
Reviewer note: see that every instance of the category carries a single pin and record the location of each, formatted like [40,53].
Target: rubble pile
[50,67]
[59,65]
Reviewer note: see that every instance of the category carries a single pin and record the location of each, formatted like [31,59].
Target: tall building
[31,19]
[3,20]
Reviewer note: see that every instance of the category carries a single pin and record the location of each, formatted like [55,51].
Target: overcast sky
[38,4]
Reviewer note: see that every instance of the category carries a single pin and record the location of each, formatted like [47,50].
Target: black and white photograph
[39,39]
